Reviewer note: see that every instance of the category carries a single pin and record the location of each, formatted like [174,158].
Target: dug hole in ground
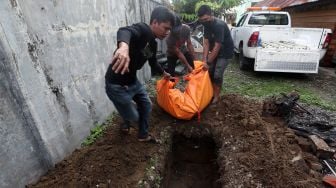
[234,145]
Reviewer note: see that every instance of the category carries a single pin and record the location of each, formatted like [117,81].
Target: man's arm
[219,38]
[121,57]
[212,56]
[156,66]
[191,48]
[181,56]
[154,63]
[205,49]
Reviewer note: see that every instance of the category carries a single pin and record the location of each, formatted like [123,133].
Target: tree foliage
[188,8]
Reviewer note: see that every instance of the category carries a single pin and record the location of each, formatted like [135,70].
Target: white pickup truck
[266,41]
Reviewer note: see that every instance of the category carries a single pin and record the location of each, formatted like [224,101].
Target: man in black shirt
[136,45]
[177,48]
[217,47]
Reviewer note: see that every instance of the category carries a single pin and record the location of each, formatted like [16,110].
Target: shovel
[329,179]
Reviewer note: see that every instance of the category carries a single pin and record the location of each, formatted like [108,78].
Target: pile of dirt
[258,151]
[113,161]
[304,119]
[253,151]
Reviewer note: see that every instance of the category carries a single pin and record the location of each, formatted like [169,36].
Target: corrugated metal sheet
[283,3]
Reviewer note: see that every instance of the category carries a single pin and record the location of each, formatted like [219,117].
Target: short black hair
[177,21]
[162,14]
[204,10]
[176,29]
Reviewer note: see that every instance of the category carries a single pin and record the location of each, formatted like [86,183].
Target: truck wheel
[236,57]
[243,61]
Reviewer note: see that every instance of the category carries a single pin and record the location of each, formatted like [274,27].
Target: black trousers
[171,61]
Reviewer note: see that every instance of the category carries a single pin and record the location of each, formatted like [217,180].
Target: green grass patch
[260,86]
[97,131]
[313,99]
[256,88]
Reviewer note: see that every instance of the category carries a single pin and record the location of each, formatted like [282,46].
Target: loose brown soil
[252,151]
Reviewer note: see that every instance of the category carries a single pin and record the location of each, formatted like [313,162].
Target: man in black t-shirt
[217,47]
[136,45]
[179,46]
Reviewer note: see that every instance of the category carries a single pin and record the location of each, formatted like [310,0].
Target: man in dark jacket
[217,47]
[136,45]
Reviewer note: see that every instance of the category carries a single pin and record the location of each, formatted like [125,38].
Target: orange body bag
[197,95]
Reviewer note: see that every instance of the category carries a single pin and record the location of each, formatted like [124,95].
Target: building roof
[283,3]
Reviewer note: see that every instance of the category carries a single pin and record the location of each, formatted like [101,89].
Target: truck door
[236,30]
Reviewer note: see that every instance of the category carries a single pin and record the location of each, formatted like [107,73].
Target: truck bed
[294,50]
[286,56]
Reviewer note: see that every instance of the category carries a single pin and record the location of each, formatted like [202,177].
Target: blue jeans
[123,97]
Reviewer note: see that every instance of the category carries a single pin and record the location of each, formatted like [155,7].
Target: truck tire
[243,61]
[236,57]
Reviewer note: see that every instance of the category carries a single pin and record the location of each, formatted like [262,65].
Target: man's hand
[205,66]
[166,75]
[121,59]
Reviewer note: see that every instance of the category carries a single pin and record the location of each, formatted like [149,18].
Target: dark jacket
[142,47]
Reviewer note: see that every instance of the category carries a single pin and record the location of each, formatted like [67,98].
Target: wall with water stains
[53,57]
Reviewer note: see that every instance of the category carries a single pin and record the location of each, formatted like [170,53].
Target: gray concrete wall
[53,57]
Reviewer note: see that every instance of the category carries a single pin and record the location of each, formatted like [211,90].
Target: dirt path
[250,151]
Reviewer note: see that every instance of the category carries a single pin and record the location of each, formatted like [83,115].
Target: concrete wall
[53,57]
